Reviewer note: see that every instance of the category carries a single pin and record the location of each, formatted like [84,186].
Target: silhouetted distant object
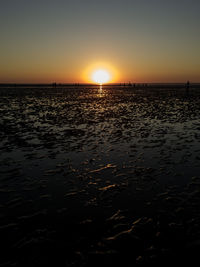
[54,85]
[187,88]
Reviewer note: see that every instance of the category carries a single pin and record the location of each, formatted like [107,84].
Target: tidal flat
[99,176]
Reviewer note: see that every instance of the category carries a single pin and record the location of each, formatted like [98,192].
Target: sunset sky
[65,40]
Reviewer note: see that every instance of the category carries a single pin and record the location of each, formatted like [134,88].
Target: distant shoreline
[93,84]
[90,85]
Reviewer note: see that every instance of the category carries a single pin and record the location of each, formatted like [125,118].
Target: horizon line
[93,84]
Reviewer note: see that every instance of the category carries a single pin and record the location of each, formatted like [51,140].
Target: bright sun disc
[100,76]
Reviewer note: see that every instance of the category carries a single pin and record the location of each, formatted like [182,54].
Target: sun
[100,72]
[101,76]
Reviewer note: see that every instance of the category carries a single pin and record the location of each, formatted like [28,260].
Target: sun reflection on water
[100,91]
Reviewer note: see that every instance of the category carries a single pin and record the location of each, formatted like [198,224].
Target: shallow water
[83,167]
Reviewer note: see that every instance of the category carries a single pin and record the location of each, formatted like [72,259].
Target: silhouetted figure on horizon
[187,88]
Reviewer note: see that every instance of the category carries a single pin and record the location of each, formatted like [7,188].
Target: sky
[65,40]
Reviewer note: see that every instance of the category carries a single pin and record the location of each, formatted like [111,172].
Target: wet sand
[94,177]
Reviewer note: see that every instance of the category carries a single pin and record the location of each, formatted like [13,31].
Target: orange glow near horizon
[82,72]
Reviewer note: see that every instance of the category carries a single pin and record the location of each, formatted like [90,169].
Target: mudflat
[99,176]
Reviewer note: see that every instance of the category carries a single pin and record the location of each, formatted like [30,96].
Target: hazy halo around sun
[101,76]
[100,72]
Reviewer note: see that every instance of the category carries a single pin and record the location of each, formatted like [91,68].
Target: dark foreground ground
[94,177]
